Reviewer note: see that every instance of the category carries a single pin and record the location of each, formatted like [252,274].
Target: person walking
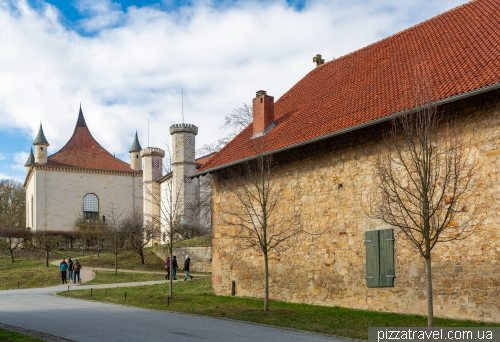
[76,268]
[167,268]
[70,270]
[63,266]
[186,267]
[174,267]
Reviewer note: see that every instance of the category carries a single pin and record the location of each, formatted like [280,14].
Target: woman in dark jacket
[174,267]
[186,268]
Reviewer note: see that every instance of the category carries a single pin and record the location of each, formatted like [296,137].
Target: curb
[221,318]
[34,333]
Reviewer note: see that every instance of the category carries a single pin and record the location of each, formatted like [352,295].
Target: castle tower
[135,151]
[30,161]
[153,168]
[183,164]
[41,145]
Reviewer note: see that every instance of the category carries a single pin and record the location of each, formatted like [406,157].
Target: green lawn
[7,335]
[28,269]
[128,260]
[105,277]
[195,297]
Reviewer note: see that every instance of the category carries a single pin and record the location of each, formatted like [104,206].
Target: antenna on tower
[148,132]
[182,104]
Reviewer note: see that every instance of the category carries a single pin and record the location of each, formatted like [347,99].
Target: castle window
[91,207]
[380,271]
[41,148]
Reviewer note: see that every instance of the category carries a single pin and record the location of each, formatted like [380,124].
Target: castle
[84,181]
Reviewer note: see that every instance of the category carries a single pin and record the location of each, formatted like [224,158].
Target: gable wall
[59,195]
[330,269]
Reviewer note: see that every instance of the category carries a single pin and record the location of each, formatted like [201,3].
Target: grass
[201,241]
[128,260]
[28,269]
[11,336]
[195,297]
[104,277]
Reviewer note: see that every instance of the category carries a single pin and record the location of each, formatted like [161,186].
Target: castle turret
[183,164]
[30,161]
[135,152]
[153,168]
[41,145]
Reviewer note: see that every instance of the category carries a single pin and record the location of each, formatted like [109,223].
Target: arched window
[91,207]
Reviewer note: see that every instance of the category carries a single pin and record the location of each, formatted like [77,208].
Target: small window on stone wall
[380,270]
[91,207]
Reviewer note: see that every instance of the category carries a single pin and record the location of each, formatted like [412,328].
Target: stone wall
[326,187]
[58,194]
[201,257]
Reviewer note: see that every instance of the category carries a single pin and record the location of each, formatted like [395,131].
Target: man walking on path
[167,268]
[63,266]
[174,268]
[186,268]
[70,270]
[76,268]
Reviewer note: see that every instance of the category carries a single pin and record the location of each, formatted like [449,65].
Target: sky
[127,62]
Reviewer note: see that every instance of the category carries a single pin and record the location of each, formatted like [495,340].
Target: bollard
[68,288]
[168,300]
[90,292]
[233,288]
[125,295]
[18,285]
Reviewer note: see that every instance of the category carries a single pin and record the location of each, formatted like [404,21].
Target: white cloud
[20,159]
[2,157]
[135,64]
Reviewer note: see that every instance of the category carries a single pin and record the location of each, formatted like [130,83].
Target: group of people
[174,267]
[70,271]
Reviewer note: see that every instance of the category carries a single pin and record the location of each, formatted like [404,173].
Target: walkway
[80,320]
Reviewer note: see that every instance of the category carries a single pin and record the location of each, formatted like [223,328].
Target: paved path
[80,320]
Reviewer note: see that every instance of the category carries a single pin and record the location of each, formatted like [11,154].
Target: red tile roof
[459,49]
[83,151]
[204,159]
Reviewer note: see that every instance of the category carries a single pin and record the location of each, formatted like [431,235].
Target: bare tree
[139,233]
[47,240]
[255,195]
[115,233]
[426,180]
[12,204]
[234,123]
[13,238]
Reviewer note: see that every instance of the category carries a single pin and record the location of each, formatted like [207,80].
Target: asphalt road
[80,320]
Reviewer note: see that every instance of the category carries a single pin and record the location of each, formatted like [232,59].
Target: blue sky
[126,61]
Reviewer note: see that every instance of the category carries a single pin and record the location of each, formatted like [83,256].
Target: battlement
[183,128]
[155,151]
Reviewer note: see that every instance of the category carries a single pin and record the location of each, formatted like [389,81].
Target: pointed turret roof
[83,151]
[136,146]
[40,138]
[31,159]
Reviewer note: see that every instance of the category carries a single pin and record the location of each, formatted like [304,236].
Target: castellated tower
[135,151]
[183,164]
[153,163]
[41,145]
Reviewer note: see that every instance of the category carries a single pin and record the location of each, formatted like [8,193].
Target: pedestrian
[76,268]
[70,270]
[63,266]
[174,267]
[167,268]
[186,268]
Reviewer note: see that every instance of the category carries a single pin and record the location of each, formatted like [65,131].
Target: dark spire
[81,120]
[40,138]
[136,147]
[31,159]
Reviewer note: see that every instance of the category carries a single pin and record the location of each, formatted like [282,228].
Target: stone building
[83,181]
[325,133]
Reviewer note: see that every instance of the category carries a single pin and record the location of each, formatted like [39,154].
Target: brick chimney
[263,112]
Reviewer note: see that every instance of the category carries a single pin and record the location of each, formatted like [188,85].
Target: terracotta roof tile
[459,49]
[83,151]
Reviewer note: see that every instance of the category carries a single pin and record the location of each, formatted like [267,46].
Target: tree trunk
[83,248]
[116,263]
[266,292]
[46,258]
[171,292]
[98,245]
[11,254]
[430,308]
[141,253]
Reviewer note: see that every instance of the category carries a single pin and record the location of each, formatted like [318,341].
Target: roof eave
[353,128]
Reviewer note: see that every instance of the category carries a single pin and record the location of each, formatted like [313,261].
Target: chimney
[263,112]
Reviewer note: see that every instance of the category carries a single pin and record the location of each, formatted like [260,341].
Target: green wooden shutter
[386,246]
[372,258]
